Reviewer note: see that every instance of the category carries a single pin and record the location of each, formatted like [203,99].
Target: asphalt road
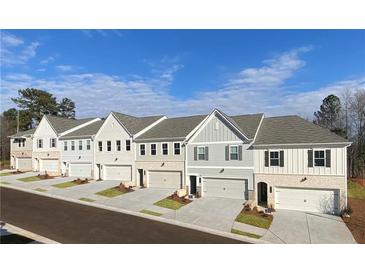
[68,222]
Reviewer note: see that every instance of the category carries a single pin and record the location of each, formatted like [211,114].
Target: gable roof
[248,123]
[135,124]
[293,130]
[86,131]
[23,133]
[173,128]
[60,124]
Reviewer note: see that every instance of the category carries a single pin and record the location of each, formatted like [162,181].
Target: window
[108,145]
[80,145]
[100,145]
[319,158]
[65,145]
[177,148]
[39,143]
[274,158]
[117,145]
[72,145]
[21,142]
[142,149]
[153,149]
[165,149]
[53,142]
[128,145]
[201,153]
[88,144]
[233,152]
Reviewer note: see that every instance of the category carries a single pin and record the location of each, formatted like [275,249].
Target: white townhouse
[21,150]
[46,155]
[78,151]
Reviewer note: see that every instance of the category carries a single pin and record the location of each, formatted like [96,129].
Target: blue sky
[184,72]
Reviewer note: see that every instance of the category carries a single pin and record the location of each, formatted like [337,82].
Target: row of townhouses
[281,162]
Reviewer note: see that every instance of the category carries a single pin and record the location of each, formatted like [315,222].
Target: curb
[150,217]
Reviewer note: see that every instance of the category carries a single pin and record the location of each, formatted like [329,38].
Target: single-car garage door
[164,179]
[24,164]
[80,170]
[49,165]
[307,199]
[224,187]
[118,172]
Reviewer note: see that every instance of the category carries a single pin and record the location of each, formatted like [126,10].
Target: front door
[140,173]
[193,185]
[262,194]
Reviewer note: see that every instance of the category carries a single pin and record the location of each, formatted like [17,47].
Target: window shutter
[195,153]
[227,153]
[310,158]
[240,153]
[328,158]
[281,158]
[206,153]
[266,158]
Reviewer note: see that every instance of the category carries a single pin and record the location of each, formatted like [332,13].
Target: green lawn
[65,184]
[356,191]
[87,200]
[145,211]
[168,203]
[110,192]
[6,174]
[239,232]
[41,189]
[254,220]
[30,179]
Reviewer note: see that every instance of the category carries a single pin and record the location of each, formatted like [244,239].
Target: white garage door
[118,172]
[311,200]
[164,179]
[24,164]
[224,187]
[49,165]
[80,170]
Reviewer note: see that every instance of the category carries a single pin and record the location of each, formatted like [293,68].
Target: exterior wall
[312,181]
[296,162]
[111,130]
[17,152]
[42,155]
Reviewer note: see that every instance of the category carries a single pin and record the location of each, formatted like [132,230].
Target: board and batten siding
[296,162]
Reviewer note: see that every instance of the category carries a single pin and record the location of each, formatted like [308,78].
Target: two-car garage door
[117,172]
[165,179]
[80,170]
[225,188]
[307,199]
[49,165]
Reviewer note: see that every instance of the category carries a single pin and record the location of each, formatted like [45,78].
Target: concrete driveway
[215,213]
[296,227]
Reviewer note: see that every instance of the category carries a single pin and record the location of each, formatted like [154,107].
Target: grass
[41,189]
[5,183]
[110,192]
[356,191]
[254,220]
[242,233]
[30,179]
[146,211]
[87,200]
[65,184]
[6,174]
[169,203]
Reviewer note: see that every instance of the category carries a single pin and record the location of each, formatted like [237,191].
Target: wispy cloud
[48,60]
[64,68]
[102,33]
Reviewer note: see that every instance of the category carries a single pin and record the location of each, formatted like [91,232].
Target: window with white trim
[88,144]
[142,149]
[108,145]
[118,145]
[233,152]
[65,145]
[177,148]
[201,153]
[274,158]
[80,144]
[128,145]
[319,158]
[153,149]
[165,149]
[39,143]
[53,142]
[72,145]
[100,145]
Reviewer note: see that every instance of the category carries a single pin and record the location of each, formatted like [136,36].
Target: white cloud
[48,60]
[64,68]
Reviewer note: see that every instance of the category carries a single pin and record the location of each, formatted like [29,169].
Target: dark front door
[193,185]
[262,193]
[140,172]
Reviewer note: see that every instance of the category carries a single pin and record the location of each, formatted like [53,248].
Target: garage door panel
[165,179]
[49,165]
[118,172]
[24,163]
[225,188]
[80,169]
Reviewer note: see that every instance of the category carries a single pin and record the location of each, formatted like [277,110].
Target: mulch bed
[255,212]
[181,200]
[359,181]
[81,182]
[122,188]
[45,176]
[356,223]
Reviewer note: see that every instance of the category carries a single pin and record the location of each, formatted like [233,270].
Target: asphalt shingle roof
[136,124]
[86,131]
[63,124]
[293,130]
[23,133]
[248,124]
[178,127]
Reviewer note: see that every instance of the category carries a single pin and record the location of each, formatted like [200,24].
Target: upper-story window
[177,148]
[65,145]
[72,145]
[100,145]
[88,144]
[80,144]
[118,145]
[142,149]
[53,142]
[128,145]
[233,152]
[319,158]
[108,145]
[274,158]
[21,142]
[165,149]
[201,153]
[39,143]
[153,149]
